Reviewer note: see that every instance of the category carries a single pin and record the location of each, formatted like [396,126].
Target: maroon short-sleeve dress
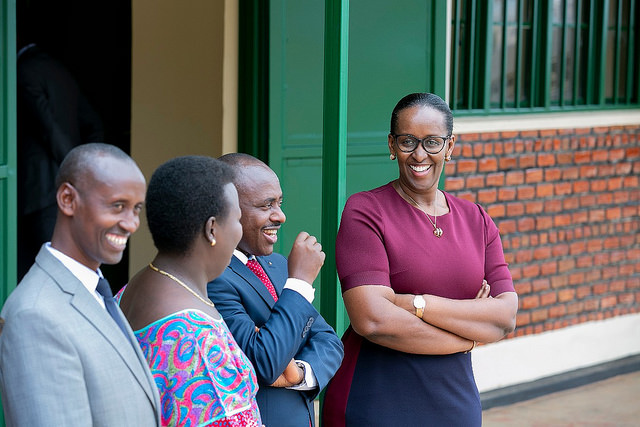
[383,240]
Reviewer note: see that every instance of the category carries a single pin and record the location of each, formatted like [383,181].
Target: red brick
[596,215]
[535,206]
[570,203]
[490,136]
[487,196]
[506,193]
[542,253]
[609,301]
[495,179]
[539,315]
[546,159]
[549,268]
[598,185]
[548,298]
[616,155]
[564,158]
[566,295]
[570,173]
[552,174]
[580,186]
[507,226]
[576,278]
[488,164]
[533,175]
[544,190]
[523,319]
[495,211]
[565,265]
[454,183]
[632,152]
[631,182]
[613,213]
[562,220]
[557,311]
[475,181]
[506,163]
[600,155]
[526,224]
[515,178]
[604,199]
[582,157]
[531,270]
[579,217]
[527,161]
[526,192]
[563,188]
[515,209]
[523,256]
[559,250]
[467,166]
[583,291]
[478,149]
[543,222]
[554,205]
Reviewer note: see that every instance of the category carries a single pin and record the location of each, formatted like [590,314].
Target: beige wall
[183,88]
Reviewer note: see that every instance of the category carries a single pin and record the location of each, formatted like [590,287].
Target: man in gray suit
[64,359]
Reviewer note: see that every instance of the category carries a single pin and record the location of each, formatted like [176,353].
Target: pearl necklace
[181,283]
[437,231]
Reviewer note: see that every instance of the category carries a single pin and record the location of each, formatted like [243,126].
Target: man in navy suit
[266,302]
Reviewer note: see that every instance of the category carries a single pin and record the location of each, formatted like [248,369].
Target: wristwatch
[419,303]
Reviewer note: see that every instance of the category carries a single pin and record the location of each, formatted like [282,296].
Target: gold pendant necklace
[437,231]
[181,283]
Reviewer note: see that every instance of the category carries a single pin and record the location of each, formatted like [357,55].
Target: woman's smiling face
[419,170]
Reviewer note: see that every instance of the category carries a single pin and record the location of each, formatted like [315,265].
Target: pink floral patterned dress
[203,376]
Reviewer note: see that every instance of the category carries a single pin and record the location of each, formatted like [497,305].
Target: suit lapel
[243,271]
[83,302]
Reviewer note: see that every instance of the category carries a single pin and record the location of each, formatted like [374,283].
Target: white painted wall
[532,357]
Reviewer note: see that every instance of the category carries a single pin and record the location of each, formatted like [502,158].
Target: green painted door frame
[334,149]
[8,219]
[8,203]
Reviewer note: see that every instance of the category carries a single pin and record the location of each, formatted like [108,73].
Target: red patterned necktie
[259,271]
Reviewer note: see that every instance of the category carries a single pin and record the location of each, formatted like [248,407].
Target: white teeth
[420,168]
[117,240]
[271,232]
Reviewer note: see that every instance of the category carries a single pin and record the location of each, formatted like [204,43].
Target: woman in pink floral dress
[203,377]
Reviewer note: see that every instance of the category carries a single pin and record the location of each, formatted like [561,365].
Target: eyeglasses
[431,144]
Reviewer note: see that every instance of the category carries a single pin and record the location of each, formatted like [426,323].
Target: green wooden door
[394,48]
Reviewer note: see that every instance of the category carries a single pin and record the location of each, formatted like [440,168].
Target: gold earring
[213,242]
[447,158]
[392,156]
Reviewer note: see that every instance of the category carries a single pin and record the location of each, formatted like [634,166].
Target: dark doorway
[92,39]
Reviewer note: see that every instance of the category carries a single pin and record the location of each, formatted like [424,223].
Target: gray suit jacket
[65,362]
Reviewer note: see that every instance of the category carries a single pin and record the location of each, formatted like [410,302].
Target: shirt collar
[242,256]
[87,276]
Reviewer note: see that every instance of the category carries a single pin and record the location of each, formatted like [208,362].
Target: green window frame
[524,56]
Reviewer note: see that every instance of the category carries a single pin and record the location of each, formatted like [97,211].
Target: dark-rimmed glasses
[431,144]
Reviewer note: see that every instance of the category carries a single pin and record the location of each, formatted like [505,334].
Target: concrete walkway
[611,402]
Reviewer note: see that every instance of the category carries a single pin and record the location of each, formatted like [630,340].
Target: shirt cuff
[310,382]
[301,287]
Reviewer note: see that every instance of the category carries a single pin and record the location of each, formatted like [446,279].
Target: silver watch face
[418,302]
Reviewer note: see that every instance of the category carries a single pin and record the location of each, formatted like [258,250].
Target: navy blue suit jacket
[289,329]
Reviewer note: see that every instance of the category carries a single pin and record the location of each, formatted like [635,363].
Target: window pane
[569,64]
[510,96]
[556,65]
[496,66]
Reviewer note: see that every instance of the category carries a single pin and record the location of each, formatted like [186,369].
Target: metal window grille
[544,55]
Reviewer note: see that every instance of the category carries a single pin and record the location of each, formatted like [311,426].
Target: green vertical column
[8,207]
[334,149]
[7,151]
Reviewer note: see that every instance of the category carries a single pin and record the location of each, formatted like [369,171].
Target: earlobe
[210,228]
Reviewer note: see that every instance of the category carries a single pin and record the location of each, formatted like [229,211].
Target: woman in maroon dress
[424,279]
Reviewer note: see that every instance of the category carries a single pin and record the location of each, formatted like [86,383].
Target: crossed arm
[447,325]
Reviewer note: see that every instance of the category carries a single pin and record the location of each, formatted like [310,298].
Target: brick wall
[567,203]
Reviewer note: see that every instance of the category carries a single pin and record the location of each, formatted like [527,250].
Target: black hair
[426,100]
[82,159]
[183,194]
